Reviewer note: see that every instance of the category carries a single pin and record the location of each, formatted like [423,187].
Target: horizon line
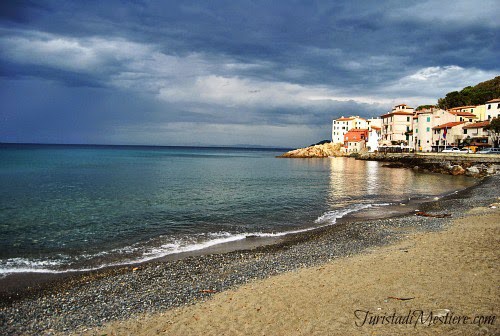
[237,146]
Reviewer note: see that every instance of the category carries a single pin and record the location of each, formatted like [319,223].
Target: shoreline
[441,282]
[155,287]
[18,285]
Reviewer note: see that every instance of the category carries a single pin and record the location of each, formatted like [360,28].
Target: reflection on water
[354,181]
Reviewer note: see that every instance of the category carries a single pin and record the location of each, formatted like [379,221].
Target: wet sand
[453,273]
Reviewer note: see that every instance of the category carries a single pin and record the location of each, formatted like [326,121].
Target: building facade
[476,135]
[397,125]
[447,135]
[343,125]
[423,122]
[355,140]
[492,109]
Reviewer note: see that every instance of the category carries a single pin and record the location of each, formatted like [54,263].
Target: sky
[219,73]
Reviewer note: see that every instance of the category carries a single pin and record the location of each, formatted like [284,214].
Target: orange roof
[463,114]
[494,100]
[396,113]
[462,107]
[355,136]
[449,125]
[376,127]
[417,113]
[480,124]
[349,118]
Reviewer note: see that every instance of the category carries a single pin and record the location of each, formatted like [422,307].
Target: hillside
[472,95]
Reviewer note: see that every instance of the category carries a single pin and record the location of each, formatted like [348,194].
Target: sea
[66,208]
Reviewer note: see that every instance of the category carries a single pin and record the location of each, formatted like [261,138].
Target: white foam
[21,265]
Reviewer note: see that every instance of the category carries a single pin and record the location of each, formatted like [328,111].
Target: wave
[143,253]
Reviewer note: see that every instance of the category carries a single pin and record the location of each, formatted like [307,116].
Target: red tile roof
[349,118]
[396,113]
[463,114]
[358,130]
[449,125]
[462,107]
[480,124]
[354,135]
[494,100]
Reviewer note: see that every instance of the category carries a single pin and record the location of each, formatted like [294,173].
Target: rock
[457,170]
[316,151]
[493,169]
[472,171]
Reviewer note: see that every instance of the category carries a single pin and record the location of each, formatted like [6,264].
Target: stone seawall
[476,165]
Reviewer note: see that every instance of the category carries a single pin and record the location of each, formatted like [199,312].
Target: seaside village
[426,130]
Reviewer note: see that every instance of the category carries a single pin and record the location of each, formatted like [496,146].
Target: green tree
[424,107]
[472,95]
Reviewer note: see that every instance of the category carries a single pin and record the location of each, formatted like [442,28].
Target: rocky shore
[466,164]
[87,301]
[473,165]
[315,151]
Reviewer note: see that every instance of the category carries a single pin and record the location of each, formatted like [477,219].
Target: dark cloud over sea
[229,72]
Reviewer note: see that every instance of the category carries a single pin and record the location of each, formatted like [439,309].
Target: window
[428,129]
[428,119]
[498,106]
[407,118]
[489,107]
[416,130]
[465,131]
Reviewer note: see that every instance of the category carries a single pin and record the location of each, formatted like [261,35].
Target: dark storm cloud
[251,63]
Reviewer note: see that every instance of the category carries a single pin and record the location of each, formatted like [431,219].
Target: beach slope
[390,290]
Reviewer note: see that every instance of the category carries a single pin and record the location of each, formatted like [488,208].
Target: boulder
[472,171]
[457,170]
[316,151]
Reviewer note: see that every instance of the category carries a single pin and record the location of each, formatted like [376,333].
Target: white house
[396,125]
[343,125]
[492,109]
[448,134]
[476,135]
[423,122]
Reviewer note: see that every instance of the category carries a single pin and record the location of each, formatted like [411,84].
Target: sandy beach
[452,274]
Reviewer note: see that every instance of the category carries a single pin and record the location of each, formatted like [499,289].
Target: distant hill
[472,95]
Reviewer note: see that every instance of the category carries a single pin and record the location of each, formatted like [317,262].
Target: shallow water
[82,207]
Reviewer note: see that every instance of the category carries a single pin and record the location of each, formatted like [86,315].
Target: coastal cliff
[315,151]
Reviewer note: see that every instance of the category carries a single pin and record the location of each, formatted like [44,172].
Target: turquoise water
[81,207]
